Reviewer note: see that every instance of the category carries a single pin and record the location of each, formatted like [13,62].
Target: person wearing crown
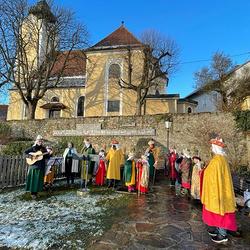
[142,179]
[217,196]
[115,160]
[129,172]
[101,169]
[152,152]
[34,182]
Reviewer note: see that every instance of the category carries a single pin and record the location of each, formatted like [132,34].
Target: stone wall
[188,131]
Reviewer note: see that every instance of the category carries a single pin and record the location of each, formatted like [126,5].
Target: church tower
[38,32]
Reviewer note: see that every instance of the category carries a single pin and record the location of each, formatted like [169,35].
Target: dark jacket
[38,164]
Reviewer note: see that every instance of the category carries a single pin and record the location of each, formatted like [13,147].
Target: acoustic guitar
[35,156]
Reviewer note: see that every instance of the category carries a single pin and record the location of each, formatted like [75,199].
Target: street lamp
[168,125]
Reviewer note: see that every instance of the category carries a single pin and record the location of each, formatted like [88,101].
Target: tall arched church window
[80,106]
[114,71]
[113,102]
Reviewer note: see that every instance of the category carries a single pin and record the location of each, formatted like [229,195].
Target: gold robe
[116,159]
[217,189]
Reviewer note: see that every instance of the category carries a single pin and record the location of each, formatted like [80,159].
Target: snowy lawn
[64,220]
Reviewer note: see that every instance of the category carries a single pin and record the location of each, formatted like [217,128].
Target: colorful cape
[217,188]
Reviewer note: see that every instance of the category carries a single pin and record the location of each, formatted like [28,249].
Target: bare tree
[159,60]
[36,44]
[213,78]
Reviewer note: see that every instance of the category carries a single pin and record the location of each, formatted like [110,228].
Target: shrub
[242,119]
[16,148]
[60,146]
[5,132]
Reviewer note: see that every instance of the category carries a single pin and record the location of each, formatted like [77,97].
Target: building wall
[160,106]
[183,107]
[207,102]
[246,104]
[68,96]
[99,88]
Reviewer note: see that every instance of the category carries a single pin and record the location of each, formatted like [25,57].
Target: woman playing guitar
[36,158]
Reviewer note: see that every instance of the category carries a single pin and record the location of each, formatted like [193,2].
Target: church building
[89,88]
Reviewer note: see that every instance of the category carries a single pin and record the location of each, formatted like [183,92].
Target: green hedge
[16,148]
[242,119]
[5,129]
[59,147]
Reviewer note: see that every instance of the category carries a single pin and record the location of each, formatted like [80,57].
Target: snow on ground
[66,220]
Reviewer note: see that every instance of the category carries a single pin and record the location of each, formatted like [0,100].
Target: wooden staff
[139,181]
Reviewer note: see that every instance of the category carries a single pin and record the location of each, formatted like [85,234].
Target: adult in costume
[34,183]
[185,170]
[152,153]
[87,150]
[218,197]
[101,170]
[115,159]
[171,161]
[142,178]
[69,164]
[129,172]
[195,183]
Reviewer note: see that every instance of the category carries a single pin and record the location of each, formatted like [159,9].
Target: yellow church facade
[91,88]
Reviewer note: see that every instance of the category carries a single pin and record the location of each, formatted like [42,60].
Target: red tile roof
[75,66]
[119,37]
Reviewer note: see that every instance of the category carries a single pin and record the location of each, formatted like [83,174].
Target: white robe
[75,163]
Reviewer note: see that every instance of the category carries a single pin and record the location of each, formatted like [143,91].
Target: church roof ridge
[118,38]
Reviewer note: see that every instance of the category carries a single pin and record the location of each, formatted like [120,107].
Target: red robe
[101,173]
[139,187]
[172,170]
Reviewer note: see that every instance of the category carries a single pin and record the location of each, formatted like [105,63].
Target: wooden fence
[13,171]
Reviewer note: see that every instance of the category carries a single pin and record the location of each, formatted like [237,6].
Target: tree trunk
[31,110]
[138,103]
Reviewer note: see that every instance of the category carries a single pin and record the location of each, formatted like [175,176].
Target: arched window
[80,106]
[54,99]
[114,71]
[113,102]
[189,110]
[54,112]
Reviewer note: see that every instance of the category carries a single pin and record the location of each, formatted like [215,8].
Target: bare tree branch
[159,60]
[32,42]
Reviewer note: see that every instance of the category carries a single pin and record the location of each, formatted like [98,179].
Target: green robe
[87,151]
[127,174]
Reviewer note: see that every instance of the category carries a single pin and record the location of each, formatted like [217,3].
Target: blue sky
[200,28]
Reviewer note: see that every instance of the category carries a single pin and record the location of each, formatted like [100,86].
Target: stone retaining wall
[188,131]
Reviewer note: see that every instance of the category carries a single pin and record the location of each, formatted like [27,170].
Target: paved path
[161,220]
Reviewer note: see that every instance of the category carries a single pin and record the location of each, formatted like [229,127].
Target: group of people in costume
[111,168]
[184,172]
[210,183]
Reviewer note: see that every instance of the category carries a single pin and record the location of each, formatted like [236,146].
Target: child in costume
[195,183]
[142,179]
[101,170]
[129,172]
